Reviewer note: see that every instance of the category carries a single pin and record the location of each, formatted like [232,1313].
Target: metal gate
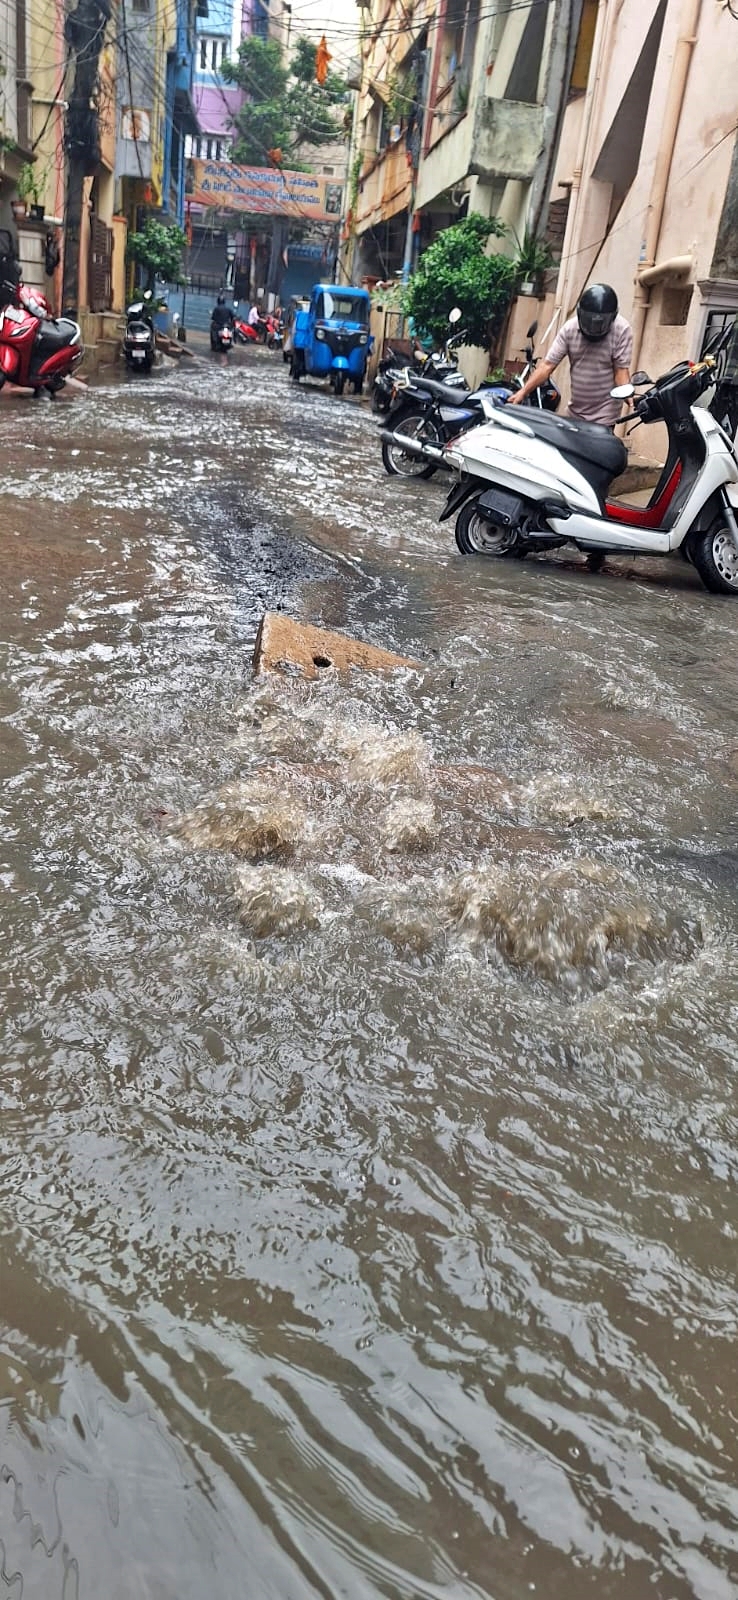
[100,277]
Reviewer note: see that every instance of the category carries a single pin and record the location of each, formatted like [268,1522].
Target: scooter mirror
[533,329]
[641,377]
[455,315]
[622,392]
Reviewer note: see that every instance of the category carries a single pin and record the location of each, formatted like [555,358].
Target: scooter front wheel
[477,536]
[715,558]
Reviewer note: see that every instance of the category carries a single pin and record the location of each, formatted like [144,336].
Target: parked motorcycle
[139,341]
[37,351]
[529,481]
[243,333]
[420,413]
[221,339]
[275,336]
[425,413]
[392,370]
[546,397]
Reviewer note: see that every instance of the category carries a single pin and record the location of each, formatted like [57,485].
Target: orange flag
[322,57]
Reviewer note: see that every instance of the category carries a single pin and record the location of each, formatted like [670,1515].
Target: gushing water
[367,1112]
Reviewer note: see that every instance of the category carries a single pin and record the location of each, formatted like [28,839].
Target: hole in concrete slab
[322,661]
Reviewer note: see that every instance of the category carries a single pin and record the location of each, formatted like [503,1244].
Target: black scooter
[221,338]
[139,339]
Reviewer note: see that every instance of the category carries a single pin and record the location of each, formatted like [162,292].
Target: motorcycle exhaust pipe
[413,447]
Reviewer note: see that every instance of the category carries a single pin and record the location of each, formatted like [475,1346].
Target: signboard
[266,191]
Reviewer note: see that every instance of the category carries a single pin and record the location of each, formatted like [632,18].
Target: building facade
[645,186]
[460,107]
[155,106]
[217,102]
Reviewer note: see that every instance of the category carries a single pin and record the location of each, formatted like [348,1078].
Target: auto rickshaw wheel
[338,382]
[358,385]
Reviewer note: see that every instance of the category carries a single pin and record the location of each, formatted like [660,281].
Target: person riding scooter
[599,344]
[220,317]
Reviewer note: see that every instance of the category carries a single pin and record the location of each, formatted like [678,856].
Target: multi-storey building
[459,107]
[155,105]
[217,102]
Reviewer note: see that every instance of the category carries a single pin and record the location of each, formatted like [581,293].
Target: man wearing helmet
[599,344]
[221,316]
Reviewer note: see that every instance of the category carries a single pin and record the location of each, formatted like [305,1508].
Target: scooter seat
[444,393]
[582,442]
[53,336]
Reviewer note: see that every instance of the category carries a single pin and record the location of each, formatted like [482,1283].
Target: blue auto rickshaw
[332,339]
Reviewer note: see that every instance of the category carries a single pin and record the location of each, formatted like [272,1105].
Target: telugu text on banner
[266,191]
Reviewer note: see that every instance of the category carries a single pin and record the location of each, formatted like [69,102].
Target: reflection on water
[367,1219]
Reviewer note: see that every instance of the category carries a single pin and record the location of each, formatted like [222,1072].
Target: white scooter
[528,481]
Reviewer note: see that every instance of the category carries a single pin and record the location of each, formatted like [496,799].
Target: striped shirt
[593,363]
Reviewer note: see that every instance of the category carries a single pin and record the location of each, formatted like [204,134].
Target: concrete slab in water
[283,643]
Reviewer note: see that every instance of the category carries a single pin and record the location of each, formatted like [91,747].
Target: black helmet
[597,310]
[221,301]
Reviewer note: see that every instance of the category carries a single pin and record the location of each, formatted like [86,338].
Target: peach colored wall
[697,179]
[694,197]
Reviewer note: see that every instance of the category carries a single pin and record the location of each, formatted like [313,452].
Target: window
[342,306]
[328,172]
[212,53]
[718,321]
[140,5]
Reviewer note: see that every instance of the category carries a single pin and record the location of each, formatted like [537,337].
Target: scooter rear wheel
[715,558]
[477,536]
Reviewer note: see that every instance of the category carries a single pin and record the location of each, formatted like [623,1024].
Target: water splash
[252,820]
[273,901]
[580,920]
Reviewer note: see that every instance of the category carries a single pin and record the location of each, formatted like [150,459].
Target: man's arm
[537,377]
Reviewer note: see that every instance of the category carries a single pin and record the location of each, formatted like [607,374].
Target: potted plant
[29,190]
[533,258]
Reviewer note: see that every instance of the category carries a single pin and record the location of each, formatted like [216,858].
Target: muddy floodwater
[368,1132]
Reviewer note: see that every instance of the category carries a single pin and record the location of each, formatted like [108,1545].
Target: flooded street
[368,1129]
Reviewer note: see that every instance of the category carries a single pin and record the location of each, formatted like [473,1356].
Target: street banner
[267,191]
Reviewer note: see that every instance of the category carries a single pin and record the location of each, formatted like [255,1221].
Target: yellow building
[46,82]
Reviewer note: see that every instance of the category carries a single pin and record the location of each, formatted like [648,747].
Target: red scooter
[37,351]
[244,333]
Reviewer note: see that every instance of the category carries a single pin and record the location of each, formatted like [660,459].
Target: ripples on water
[366,1098]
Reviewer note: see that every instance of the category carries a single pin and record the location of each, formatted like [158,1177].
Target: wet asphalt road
[367,1081]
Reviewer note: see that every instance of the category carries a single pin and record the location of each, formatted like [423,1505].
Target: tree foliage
[286,107]
[159,250]
[455,271]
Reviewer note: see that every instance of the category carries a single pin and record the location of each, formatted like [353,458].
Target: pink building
[217,102]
